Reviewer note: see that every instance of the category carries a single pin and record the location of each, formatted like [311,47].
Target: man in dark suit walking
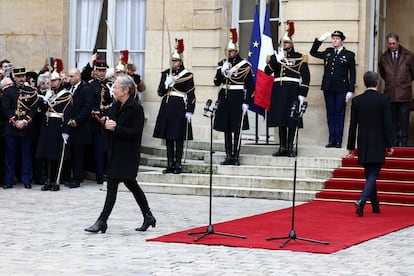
[371,118]
[338,83]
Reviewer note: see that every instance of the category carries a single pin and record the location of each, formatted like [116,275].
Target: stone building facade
[33,30]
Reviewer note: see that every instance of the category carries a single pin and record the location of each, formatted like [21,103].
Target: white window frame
[111,21]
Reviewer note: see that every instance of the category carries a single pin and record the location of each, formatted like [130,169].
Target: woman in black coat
[123,128]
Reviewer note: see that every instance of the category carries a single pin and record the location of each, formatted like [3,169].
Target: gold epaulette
[305,58]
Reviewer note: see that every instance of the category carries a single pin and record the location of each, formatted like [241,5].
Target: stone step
[260,182]
[223,191]
[243,170]
[245,159]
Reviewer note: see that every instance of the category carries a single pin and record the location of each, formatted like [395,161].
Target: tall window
[244,19]
[110,26]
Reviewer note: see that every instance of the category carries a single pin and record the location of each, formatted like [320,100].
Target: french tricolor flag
[264,83]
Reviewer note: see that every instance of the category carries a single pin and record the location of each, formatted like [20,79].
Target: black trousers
[112,191]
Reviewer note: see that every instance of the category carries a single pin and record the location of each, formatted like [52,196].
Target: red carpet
[333,222]
[395,182]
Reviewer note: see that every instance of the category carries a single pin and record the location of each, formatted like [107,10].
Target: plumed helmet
[290,31]
[57,69]
[179,50]
[233,45]
[122,61]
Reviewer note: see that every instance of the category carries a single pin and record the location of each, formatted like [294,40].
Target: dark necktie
[336,52]
[395,57]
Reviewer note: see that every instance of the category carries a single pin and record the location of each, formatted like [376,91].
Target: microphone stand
[210,229]
[292,234]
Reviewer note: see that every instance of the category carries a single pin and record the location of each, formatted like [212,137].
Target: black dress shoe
[27,186]
[330,145]
[280,152]
[54,187]
[359,205]
[99,225]
[75,184]
[46,187]
[338,145]
[7,186]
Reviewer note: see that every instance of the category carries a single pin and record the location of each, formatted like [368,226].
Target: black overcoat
[371,120]
[228,116]
[80,111]
[171,123]
[123,144]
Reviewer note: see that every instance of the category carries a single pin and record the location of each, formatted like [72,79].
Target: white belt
[177,94]
[54,115]
[287,79]
[233,86]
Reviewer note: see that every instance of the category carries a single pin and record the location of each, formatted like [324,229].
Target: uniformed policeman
[19,105]
[54,132]
[291,84]
[338,83]
[234,76]
[177,107]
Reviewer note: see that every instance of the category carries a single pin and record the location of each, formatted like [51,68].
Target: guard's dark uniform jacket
[171,123]
[101,102]
[339,71]
[292,79]
[19,103]
[54,123]
[236,89]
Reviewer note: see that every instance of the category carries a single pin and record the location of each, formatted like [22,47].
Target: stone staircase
[259,176]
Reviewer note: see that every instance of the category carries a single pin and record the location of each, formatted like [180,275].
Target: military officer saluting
[19,105]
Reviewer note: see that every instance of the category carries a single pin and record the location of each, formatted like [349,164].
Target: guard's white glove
[324,36]
[169,81]
[245,107]
[225,68]
[65,137]
[280,55]
[301,99]
[348,96]
[188,116]
[48,94]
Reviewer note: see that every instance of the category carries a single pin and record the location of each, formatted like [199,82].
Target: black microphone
[207,107]
[293,109]
[303,109]
[215,107]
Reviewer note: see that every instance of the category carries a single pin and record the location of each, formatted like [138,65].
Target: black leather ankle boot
[99,225]
[149,220]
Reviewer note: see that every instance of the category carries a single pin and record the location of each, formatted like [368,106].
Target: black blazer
[80,111]
[123,144]
[339,72]
[371,119]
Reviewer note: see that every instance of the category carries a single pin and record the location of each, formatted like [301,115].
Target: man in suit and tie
[338,82]
[396,66]
[80,133]
[371,126]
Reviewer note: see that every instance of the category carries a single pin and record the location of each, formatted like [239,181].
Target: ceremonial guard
[54,132]
[234,75]
[291,85]
[177,107]
[19,105]
[101,102]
